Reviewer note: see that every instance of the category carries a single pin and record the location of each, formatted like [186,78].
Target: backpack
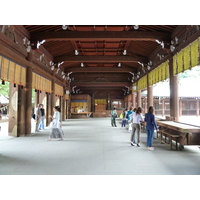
[33,116]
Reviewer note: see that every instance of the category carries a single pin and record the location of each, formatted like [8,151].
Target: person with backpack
[129,119]
[124,114]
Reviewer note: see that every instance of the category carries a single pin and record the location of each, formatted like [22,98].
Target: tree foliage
[4,89]
[193,73]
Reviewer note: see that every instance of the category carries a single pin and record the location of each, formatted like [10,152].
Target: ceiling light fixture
[64,27]
[124,53]
[76,52]
[119,65]
[82,65]
[136,27]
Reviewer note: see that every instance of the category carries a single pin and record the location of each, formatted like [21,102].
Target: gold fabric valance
[160,73]
[41,83]
[12,72]
[187,57]
[58,90]
[142,83]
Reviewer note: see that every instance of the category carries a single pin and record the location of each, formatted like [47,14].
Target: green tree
[4,89]
[193,73]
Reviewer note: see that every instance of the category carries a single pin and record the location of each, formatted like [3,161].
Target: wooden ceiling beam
[100,69]
[100,84]
[100,35]
[99,59]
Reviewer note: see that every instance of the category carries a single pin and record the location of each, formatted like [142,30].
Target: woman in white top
[55,126]
[136,127]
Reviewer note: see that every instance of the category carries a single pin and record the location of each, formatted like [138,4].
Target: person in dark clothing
[41,126]
[150,126]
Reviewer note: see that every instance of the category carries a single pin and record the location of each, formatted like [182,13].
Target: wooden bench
[170,135]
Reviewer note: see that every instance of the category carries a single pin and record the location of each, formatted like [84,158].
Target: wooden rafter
[100,35]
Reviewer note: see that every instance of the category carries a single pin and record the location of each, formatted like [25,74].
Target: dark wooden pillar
[28,112]
[197,107]
[133,100]
[92,103]
[149,93]
[174,97]
[48,109]
[149,96]
[21,111]
[139,103]
[53,93]
[63,111]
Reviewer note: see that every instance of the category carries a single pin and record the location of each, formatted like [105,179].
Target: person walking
[41,126]
[124,114]
[56,126]
[129,119]
[136,127]
[150,126]
[113,113]
[37,117]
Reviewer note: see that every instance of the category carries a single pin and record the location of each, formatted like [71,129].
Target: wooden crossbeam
[97,59]
[100,69]
[100,35]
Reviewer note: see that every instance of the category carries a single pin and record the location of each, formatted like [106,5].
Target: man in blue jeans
[41,126]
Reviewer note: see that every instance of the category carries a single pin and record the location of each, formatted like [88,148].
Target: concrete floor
[93,147]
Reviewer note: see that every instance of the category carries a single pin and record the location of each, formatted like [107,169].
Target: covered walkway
[93,147]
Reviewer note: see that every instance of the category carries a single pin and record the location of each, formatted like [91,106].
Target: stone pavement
[93,147]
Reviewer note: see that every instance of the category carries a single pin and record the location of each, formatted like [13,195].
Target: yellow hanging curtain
[58,90]
[175,66]
[166,70]
[187,57]
[17,74]
[23,76]
[157,75]
[41,83]
[194,53]
[11,73]
[33,80]
[180,61]
[4,68]
[142,83]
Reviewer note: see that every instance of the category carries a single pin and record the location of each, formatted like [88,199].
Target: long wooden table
[188,134]
[81,115]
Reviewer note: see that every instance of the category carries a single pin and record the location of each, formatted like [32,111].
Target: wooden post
[53,93]
[139,104]
[21,111]
[28,89]
[48,109]
[149,94]
[174,101]
[133,100]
